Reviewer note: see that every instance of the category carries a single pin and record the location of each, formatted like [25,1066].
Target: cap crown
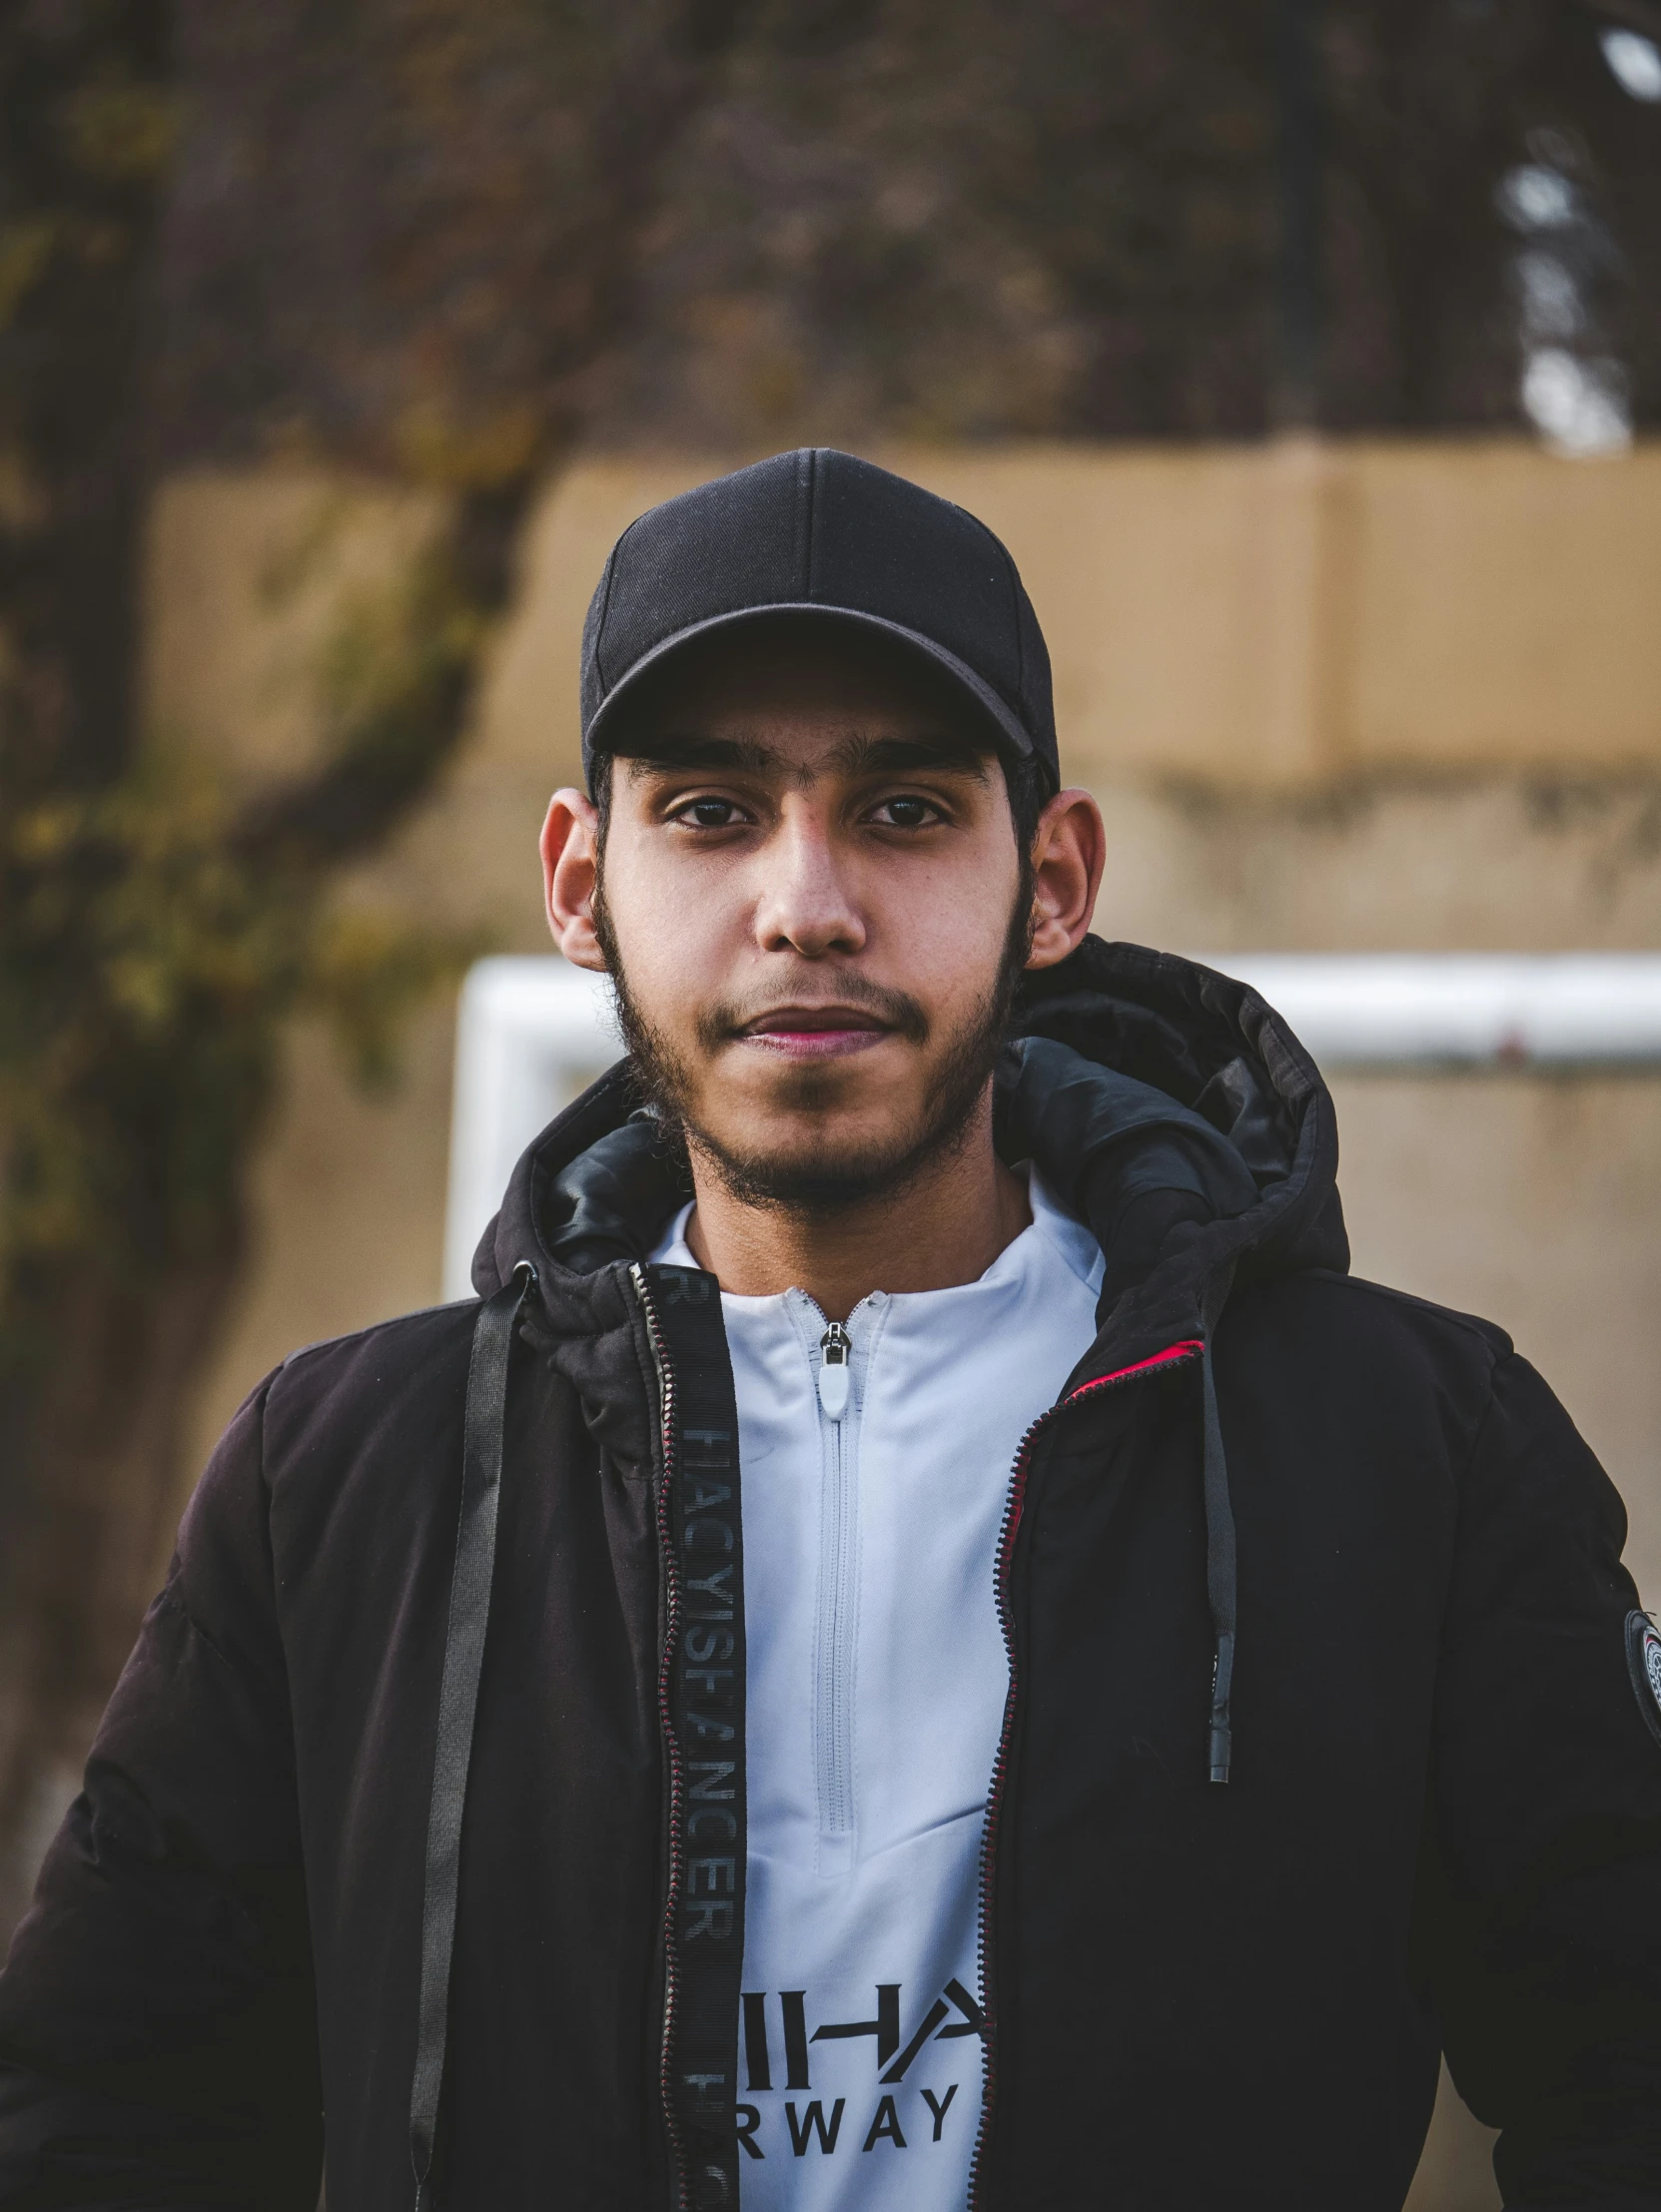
[820,528]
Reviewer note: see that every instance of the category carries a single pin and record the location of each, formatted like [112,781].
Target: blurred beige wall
[1331,697]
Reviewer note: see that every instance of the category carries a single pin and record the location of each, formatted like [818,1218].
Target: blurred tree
[913,218]
[156,932]
[1432,103]
[880,218]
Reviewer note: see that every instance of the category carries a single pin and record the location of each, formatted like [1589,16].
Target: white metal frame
[533,1033]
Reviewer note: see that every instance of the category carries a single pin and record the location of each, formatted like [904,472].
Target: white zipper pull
[836,1348]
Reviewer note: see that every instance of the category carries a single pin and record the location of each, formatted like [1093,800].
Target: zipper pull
[836,1348]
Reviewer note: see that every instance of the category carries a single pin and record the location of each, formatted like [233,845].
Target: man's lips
[814,1032]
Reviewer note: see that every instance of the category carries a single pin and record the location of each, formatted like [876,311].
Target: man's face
[809,900]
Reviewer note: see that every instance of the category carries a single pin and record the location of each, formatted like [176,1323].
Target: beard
[828,1182]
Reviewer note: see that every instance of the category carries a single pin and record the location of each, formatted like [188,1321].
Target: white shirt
[875,1683]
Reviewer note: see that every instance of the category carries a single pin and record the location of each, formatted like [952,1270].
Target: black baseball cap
[821,535]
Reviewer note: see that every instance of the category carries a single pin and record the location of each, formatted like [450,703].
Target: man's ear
[570,870]
[1069,852]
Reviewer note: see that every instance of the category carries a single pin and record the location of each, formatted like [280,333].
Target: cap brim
[993,713]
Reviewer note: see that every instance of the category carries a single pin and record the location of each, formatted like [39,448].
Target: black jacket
[1440,1828]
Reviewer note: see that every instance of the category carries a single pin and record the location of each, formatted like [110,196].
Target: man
[925,1645]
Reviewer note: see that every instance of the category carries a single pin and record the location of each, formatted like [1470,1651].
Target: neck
[945,1226]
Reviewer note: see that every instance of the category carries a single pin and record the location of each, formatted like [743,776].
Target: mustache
[727,1018]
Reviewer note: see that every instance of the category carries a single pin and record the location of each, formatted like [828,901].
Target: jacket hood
[1165,1104]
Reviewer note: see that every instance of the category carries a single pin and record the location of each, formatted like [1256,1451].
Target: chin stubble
[827,1186]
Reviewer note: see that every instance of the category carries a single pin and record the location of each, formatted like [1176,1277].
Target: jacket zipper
[1006,1534]
[666,1728]
[834,1690]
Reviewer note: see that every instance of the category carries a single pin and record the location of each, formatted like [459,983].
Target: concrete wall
[1364,697]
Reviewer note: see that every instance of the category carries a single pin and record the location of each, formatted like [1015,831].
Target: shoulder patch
[1643,1663]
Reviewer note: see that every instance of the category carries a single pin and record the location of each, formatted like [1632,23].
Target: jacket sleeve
[157,2031]
[1545,1876]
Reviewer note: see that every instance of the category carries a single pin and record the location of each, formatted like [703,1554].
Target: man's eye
[906,813]
[709,814]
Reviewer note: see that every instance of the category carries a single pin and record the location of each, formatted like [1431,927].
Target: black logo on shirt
[952,2014]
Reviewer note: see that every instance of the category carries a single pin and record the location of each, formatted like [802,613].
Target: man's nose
[806,902]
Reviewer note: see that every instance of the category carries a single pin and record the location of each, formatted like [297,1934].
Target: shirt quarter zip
[836,1623]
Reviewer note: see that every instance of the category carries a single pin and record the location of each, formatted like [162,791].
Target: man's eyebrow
[864,756]
[666,756]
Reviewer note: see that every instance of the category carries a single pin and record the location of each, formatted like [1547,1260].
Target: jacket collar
[1167,1105]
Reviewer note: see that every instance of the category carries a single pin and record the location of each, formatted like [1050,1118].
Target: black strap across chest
[704,1697]
[484,1436]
